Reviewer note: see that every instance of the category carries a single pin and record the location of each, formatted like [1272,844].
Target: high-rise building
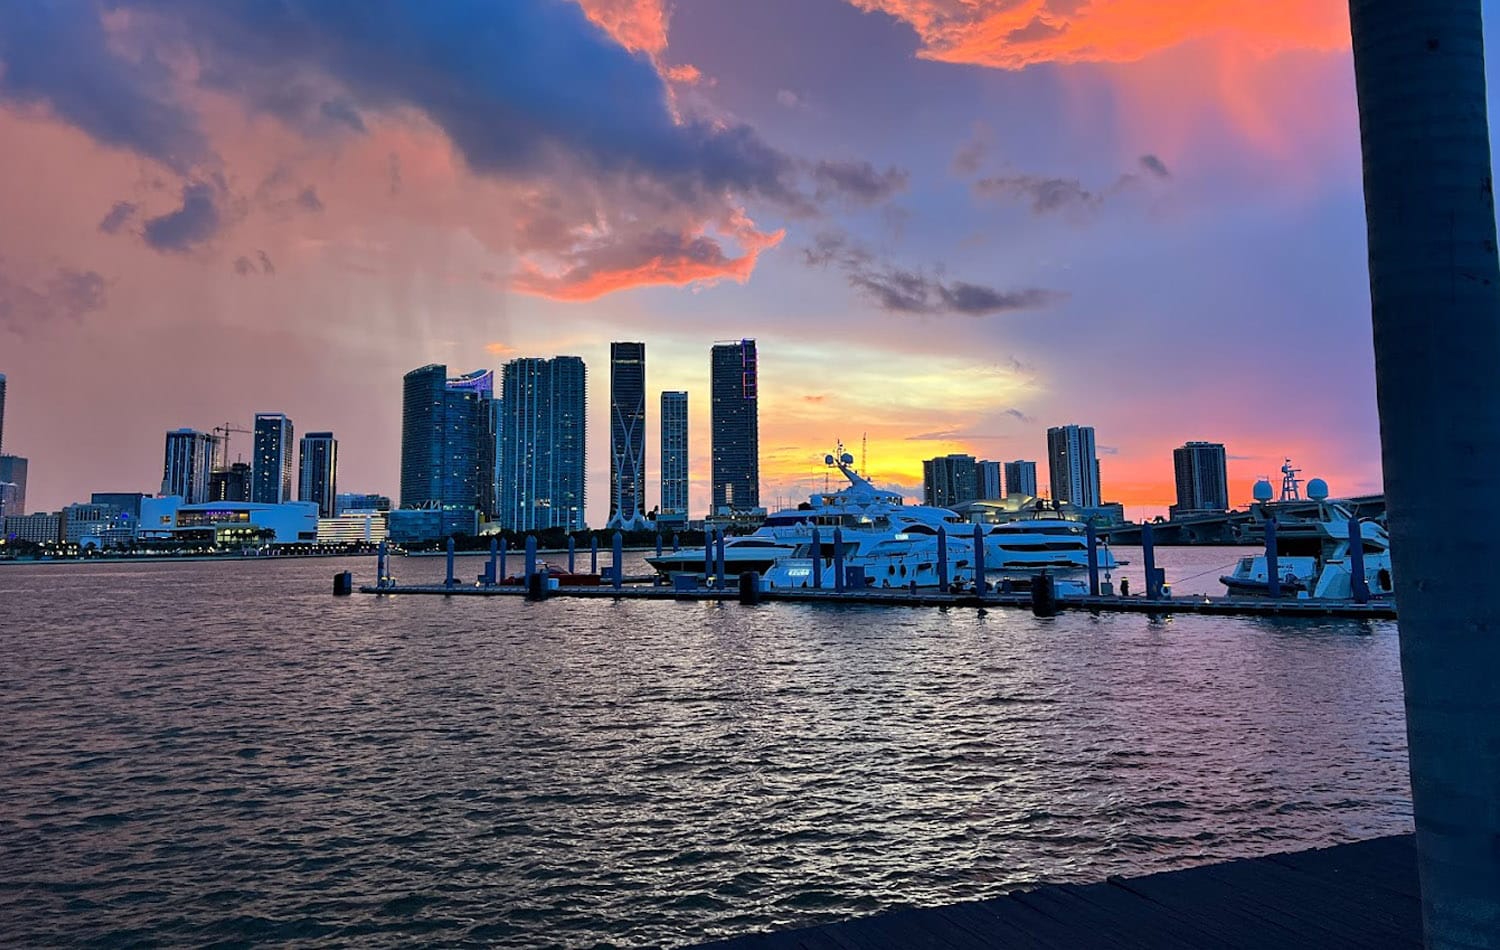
[189,459]
[447,449]
[126,502]
[1074,465]
[542,446]
[734,401]
[991,487]
[1202,478]
[950,480]
[627,436]
[13,473]
[230,484]
[2,413]
[271,466]
[360,501]
[318,471]
[674,455]
[1020,478]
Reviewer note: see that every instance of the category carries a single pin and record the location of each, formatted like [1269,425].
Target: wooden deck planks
[1356,895]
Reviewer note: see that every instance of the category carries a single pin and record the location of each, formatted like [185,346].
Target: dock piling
[1044,595]
[1359,585]
[658,544]
[838,559]
[1273,567]
[817,558]
[750,588]
[676,542]
[381,556]
[719,574]
[343,584]
[708,557]
[449,582]
[1092,534]
[490,577]
[618,567]
[979,560]
[530,559]
[503,550]
[942,559]
[572,554]
[1148,549]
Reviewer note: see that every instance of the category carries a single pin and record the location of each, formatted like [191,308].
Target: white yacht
[859,509]
[1044,538]
[1312,547]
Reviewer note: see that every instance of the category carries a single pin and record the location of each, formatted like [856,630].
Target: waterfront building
[9,493]
[128,502]
[317,480]
[230,484]
[416,525]
[229,524]
[627,436]
[360,501]
[188,461]
[38,528]
[543,444]
[271,465]
[1074,465]
[354,527]
[13,472]
[1202,478]
[734,410]
[950,480]
[100,525]
[1020,478]
[447,450]
[674,458]
[497,428]
[991,485]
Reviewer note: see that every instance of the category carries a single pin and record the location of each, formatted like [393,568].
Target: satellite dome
[1264,491]
[1317,489]
[846,458]
[828,460]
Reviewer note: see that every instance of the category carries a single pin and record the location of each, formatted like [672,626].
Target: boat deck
[1354,895]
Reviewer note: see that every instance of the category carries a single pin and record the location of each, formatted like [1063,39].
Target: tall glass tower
[627,436]
[271,465]
[185,469]
[318,475]
[447,445]
[1202,477]
[1074,466]
[542,444]
[734,384]
[674,454]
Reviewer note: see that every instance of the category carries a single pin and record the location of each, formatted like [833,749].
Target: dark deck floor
[1354,895]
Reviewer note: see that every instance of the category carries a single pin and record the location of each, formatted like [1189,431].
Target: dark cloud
[1044,194]
[266,267]
[898,290]
[1018,415]
[118,217]
[308,199]
[56,54]
[246,267]
[856,182]
[342,110]
[67,294]
[197,221]
[1155,166]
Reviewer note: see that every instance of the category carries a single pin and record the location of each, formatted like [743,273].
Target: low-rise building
[229,522]
[38,528]
[354,527]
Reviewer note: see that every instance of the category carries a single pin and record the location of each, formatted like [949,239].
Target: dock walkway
[1354,895]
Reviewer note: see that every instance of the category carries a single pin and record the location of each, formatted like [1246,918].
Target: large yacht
[1312,546]
[859,509]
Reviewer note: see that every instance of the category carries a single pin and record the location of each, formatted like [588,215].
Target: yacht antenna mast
[1290,483]
[864,454]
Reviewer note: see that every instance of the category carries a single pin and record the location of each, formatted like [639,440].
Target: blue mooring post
[675,545]
[838,559]
[1148,549]
[942,559]
[593,554]
[719,572]
[817,559]
[658,544]
[979,560]
[618,567]
[1359,585]
[504,550]
[380,556]
[572,553]
[1273,567]
[530,558]
[708,557]
[1092,535]
[449,581]
[491,577]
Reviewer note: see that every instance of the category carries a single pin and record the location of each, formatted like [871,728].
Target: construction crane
[222,434]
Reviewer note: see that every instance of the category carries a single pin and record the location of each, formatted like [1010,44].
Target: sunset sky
[948,223]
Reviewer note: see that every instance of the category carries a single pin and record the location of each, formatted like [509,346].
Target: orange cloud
[500,349]
[637,25]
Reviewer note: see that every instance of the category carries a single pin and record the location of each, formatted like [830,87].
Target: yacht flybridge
[1313,547]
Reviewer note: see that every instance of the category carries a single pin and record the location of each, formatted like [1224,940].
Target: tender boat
[1313,549]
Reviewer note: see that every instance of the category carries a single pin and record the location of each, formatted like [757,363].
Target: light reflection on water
[218,751]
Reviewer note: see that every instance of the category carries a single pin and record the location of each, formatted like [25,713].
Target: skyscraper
[1202,477]
[950,480]
[2,413]
[318,472]
[991,488]
[230,484]
[447,446]
[1073,464]
[734,401]
[13,473]
[543,456]
[271,465]
[627,436]
[185,469]
[674,455]
[1020,478]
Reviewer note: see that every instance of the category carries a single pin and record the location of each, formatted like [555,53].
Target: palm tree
[1435,291]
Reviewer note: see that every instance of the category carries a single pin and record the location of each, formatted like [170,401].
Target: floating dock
[1354,895]
[891,597]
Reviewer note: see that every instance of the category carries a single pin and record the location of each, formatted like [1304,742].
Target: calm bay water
[193,753]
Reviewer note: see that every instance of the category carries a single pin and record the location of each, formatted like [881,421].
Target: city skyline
[1042,242]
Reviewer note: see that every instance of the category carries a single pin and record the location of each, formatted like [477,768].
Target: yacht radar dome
[828,460]
[1317,489]
[847,459]
[1264,491]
